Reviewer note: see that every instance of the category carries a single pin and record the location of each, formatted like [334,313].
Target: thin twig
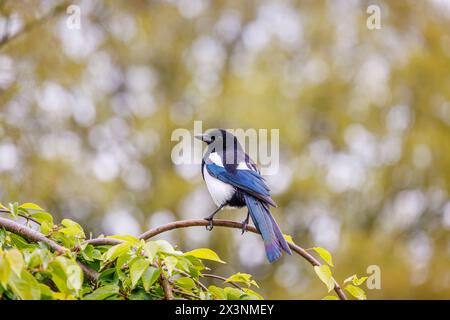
[22,215]
[187,294]
[189,276]
[36,236]
[208,275]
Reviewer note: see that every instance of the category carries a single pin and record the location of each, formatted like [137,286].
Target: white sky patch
[105,167]
[229,25]
[78,44]
[121,221]
[281,181]
[191,8]
[54,99]
[398,118]
[251,251]
[288,275]
[345,172]
[446,216]
[7,72]
[159,218]
[9,157]
[325,230]
[362,143]
[136,176]
[406,209]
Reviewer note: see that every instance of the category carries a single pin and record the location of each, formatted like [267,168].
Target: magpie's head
[219,139]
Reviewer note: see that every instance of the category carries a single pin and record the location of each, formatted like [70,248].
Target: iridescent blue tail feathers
[274,241]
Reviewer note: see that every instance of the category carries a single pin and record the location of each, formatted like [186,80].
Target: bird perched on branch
[233,179]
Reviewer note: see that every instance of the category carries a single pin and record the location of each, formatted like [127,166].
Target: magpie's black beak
[204,137]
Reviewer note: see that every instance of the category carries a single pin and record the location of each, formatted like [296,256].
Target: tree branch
[217,223]
[22,215]
[215,276]
[189,276]
[186,294]
[168,293]
[91,274]
[36,236]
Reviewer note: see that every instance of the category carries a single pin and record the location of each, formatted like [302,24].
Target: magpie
[233,180]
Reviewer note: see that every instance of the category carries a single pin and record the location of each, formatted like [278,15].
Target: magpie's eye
[213,138]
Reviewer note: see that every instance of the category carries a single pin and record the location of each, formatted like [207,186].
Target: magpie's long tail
[274,241]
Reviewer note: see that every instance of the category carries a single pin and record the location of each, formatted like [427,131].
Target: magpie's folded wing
[246,180]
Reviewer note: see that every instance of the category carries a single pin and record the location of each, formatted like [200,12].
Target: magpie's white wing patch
[216,159]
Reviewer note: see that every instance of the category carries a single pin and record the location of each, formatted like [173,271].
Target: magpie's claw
[244,225]
[210,226]
[244,228]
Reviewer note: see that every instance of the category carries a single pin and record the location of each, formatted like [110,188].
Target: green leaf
[122,263]
[233,293]
[150,249]
[127,238]
[137,268]
[140,295]
[242,277]
[357,292]
[15,260]
[206,254]
[103,292]
[87,253]
[107,277]
[116,251]
[217,292]
[72,229]
[350,278]
[33,259]
[355,280]
[20,242]
[330,298]
[14,209]
[185,283]
[170,263]
[46,227]
[252,294]
[25,286]
[67,275]
[5,270]
[288,238]
[42,216]
[164,246]
[149,277]
[360,281]
[74,277]
[325,255]
[46,292]
[325,275]
[31,206]
[63,296]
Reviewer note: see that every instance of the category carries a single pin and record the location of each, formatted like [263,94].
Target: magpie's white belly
[219,191]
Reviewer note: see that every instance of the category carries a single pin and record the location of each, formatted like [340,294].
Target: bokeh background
[86,118]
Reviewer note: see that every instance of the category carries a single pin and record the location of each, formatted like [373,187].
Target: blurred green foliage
[86,118]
